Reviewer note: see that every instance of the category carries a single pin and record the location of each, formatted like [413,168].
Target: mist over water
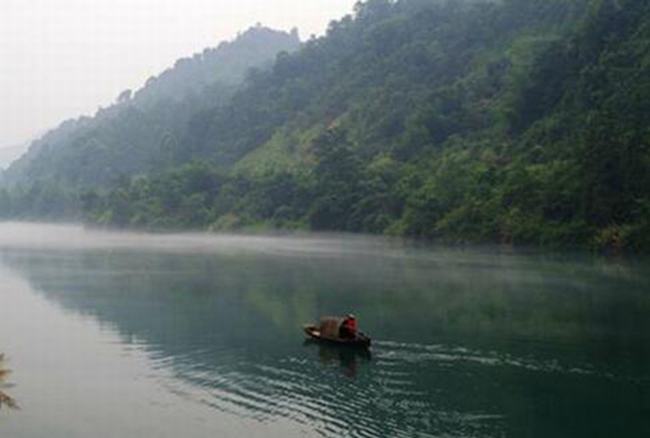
[35,236]
[126,334]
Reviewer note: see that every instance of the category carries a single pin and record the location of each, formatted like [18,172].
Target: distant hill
[512,121]
[225,65]
[140,131]
[9,154]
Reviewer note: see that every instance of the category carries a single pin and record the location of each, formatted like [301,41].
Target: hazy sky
[63,58]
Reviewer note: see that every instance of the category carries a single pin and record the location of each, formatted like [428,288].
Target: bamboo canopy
[330,326]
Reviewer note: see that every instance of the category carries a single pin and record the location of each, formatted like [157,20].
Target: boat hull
[360,341]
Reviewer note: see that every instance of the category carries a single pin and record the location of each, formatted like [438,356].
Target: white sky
[64,58]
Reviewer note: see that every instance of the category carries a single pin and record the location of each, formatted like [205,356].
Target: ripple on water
[386,401]
[393,354]
[394,394]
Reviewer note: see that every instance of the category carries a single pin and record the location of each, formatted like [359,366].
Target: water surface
[118,334]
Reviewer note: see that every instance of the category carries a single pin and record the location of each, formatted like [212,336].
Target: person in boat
[348,328]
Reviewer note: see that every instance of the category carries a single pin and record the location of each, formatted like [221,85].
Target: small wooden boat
[361,340]
[328,331]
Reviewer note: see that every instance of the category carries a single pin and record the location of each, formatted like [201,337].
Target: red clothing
[350,325]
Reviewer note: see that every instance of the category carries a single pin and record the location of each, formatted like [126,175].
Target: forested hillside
[141,131]
[9,154]
[514,121]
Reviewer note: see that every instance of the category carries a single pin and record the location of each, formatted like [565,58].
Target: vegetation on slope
[141,131]
[519,121]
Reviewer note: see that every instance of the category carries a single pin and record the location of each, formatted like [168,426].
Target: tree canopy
[519,121]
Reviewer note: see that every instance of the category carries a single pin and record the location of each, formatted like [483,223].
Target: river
[192,335]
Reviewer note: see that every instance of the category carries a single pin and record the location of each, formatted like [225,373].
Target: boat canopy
[330,326]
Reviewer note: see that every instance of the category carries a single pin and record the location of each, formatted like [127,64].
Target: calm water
[121,335]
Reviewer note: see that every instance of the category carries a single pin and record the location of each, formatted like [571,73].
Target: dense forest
[514,121]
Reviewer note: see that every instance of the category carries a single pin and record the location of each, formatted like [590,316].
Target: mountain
[225,65]
[135,134]
[10,154]
[517,121]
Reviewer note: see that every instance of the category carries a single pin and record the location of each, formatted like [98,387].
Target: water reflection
[469,343]
[349,359]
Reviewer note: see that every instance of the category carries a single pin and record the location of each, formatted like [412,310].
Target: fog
[55,237]
[64,58]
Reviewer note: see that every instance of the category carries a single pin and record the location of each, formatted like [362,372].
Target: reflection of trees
[231,321]
[348,358]
[449,292]
[5,399]
[255,303]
